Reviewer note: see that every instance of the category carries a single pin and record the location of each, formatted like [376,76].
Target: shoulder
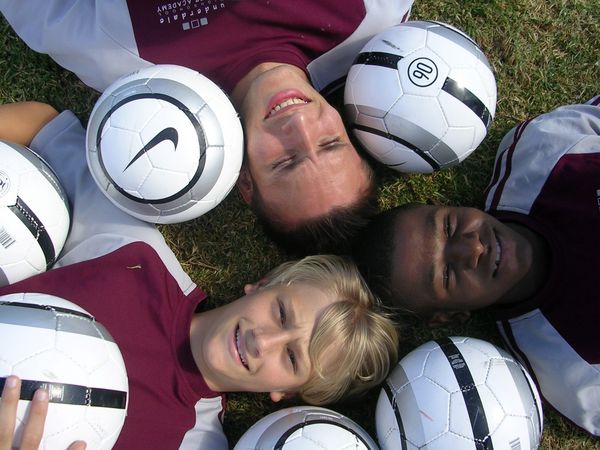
[328,71]
[529,153]
[556,131]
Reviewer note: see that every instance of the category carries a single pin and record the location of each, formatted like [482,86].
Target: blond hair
[366,335]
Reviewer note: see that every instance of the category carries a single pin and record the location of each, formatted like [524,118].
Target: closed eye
[284,163]
[332,143]
[446,276]
[292,358]
[282,313]
[447,234]
[447,226]
[283,319]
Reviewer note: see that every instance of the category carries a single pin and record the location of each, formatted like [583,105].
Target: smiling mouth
[237,347]
[289,102]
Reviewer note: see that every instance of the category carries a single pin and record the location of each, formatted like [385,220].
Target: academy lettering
[172,5]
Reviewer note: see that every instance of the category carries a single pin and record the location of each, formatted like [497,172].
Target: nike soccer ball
[54,344]
[420,96]
[34,214]
[305,428]
[459,393]
[164,144]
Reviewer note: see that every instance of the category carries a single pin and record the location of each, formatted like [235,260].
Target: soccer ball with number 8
[420,96]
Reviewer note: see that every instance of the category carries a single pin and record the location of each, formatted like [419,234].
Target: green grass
[544,54]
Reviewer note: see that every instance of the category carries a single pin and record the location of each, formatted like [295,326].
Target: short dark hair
[329,233]
[373,252]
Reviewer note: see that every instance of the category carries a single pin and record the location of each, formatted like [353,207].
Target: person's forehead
[307,304]
[412,266]
[299,197]
[306,298]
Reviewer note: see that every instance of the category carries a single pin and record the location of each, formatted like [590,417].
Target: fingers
[34,426]
[8,411]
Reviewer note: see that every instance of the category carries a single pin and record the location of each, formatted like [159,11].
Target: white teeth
[288,102]
[237,344]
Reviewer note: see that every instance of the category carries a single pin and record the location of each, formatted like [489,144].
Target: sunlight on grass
[544,54]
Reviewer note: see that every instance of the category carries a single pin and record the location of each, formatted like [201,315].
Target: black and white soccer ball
[459,393]
[420,96]
[52,343]
[164,144]
[306,428]
[34,214]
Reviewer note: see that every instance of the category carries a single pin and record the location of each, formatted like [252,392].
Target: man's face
[298,152]
[260,342]
[456,259]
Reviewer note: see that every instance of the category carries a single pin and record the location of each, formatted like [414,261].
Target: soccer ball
[164,144]
[459,393]
[52,343]
[420,96]
[34,214]
[305,428]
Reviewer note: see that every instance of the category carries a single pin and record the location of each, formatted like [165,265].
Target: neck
[197,339]
[535,279]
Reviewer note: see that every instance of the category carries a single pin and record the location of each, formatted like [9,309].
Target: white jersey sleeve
[93,39]
[551,154]
[529,152]
[208,431]
[333,66]
[98,227]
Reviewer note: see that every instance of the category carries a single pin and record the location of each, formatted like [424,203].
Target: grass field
[544,54]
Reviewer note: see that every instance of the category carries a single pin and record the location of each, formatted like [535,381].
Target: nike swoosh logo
[168,134]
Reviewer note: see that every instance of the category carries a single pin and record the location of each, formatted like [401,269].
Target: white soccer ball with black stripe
[54,344]
[164,144]
[306,428]
[420,96]
[34,214]
[459,393]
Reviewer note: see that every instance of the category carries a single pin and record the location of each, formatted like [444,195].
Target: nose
[300,130]
[465,250]
[267,340]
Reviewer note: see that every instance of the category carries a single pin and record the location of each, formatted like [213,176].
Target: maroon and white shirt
[547,177]
[122,271]
[101,41]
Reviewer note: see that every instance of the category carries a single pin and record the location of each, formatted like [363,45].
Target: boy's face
[298,153]
[456,259]
[259,343]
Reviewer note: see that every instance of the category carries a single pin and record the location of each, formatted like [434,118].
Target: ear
[245,184]
[251,288]
[278,396]
[440,318]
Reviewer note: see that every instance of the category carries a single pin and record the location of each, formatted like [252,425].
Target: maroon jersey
[225,39]
[547,177]
[121,271]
